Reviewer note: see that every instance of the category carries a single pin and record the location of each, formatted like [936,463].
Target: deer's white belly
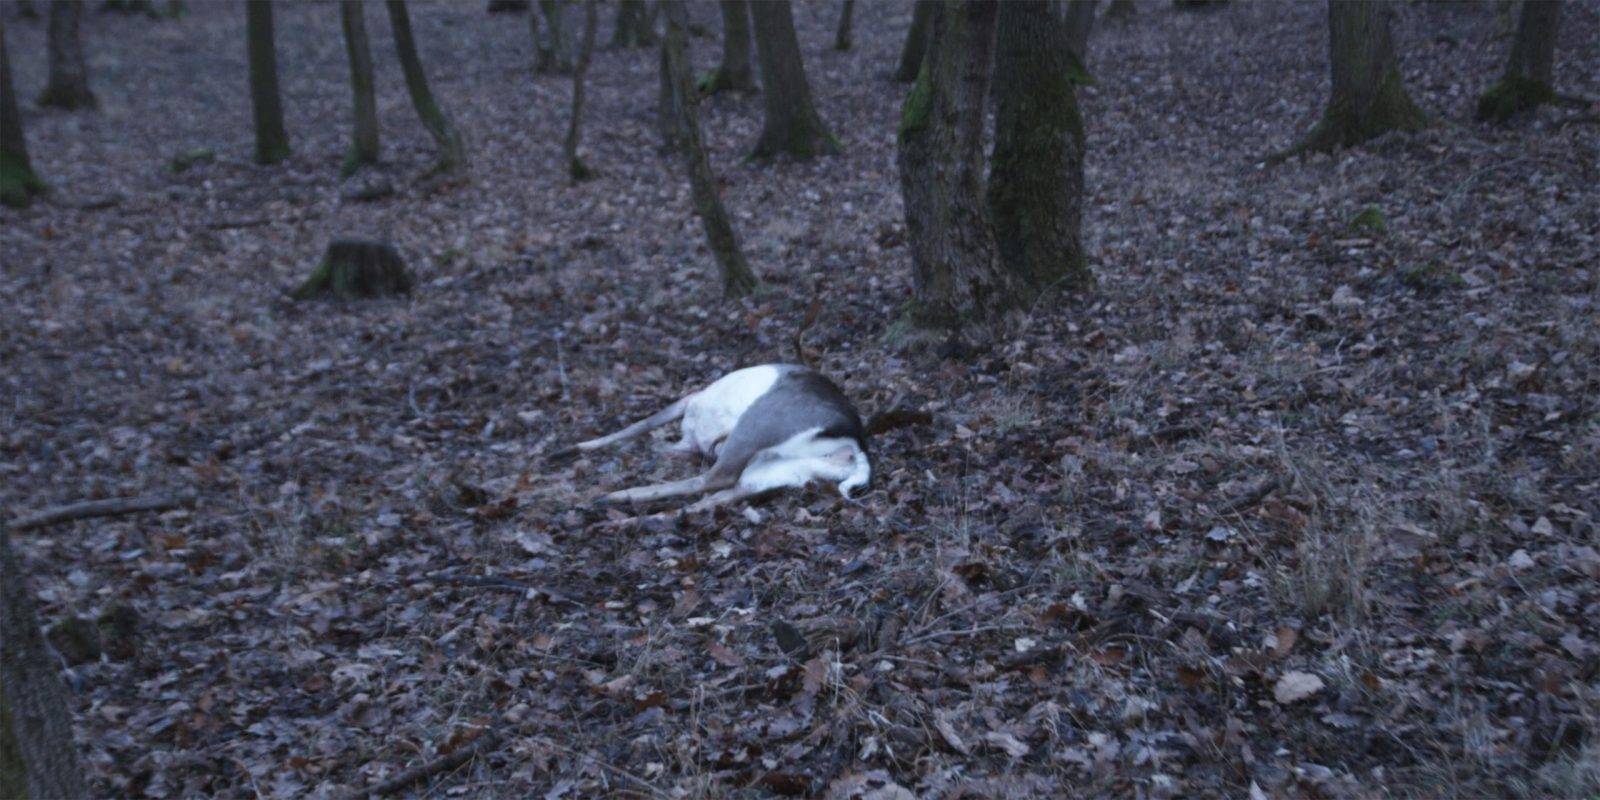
[713,411]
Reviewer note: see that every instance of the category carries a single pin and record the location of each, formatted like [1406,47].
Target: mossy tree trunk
[266,103]
[37,756]
[737,279]
[843,36]
[917,37]
[551,40]
[633,28]
[1036,168]
[791,125]
[1079,22]
[452,151]
[956,274]
[734,73]
[576,169]
[353,269]
[364,139]
[18,182]
[1368,98]
[1527,82]
[69,73]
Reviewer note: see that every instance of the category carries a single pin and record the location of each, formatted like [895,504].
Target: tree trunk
[734,72]
[18,183]
[552,43]
[955,271]
[37,755]
[1079,21]
[69,74]
[737,279]
[842,37]
[1036,169]
[916,40]
[364,142]
[1121,9]
[576,170]
[1527,82]
[633,27]
[669,119]
[452,151]
[272,141]
[1368,98]
[791,125]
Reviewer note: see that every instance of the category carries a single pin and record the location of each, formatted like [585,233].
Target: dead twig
[1250,498]
[445,763]
[114,507]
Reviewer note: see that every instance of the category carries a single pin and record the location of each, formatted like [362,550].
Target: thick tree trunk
[1527,82]
[1079,21]
[916,40]
[1036,169]
[272,141]
[552,43]
[734,72]
[737,279]
[576,169]
[69,73]
[18,183]
[364,141]
[843,36]
[37,756]
[1368,98]
[633,28]
[452,151]
[792,125]
[955,271]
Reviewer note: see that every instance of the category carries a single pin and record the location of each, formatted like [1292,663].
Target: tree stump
[353,269]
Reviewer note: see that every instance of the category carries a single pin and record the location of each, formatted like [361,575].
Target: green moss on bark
[18,183]
[1513,95]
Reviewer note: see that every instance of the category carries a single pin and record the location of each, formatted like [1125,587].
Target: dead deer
[770,427]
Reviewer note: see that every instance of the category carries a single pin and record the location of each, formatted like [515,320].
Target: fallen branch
[445,763]
[1250,497]
[114,507]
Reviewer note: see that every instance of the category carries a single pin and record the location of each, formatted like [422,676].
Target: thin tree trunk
[955,271]
[576,169]
[364,141]
[1121,9]
[734,72]
[1036,169]
[69,73]
[669,120]
[1080,20]
[452,151]
[1368,98]
[1527,82]
[633,25]
[18,182]
[792,125]
[272,141]
[842,37]
[37,755]
[916,40]
[553,43]
[737,279]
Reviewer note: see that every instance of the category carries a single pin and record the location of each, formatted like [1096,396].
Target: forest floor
[1289,506]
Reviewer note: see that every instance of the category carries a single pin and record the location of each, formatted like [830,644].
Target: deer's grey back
[799,401]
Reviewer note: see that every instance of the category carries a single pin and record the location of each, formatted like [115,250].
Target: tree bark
[1527,82]
[364,141]
[737,279]
[37,755]
[576,170]
[552,43]
[1036,168]
[1368,98]
[792,125]
[916,40]
[1079,21]
[633,27]
[734,72]
[266,104]
[18,182]
[843,37]
[452,151]
[69,73]
[1121,9]
[669,119]
[955,271]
